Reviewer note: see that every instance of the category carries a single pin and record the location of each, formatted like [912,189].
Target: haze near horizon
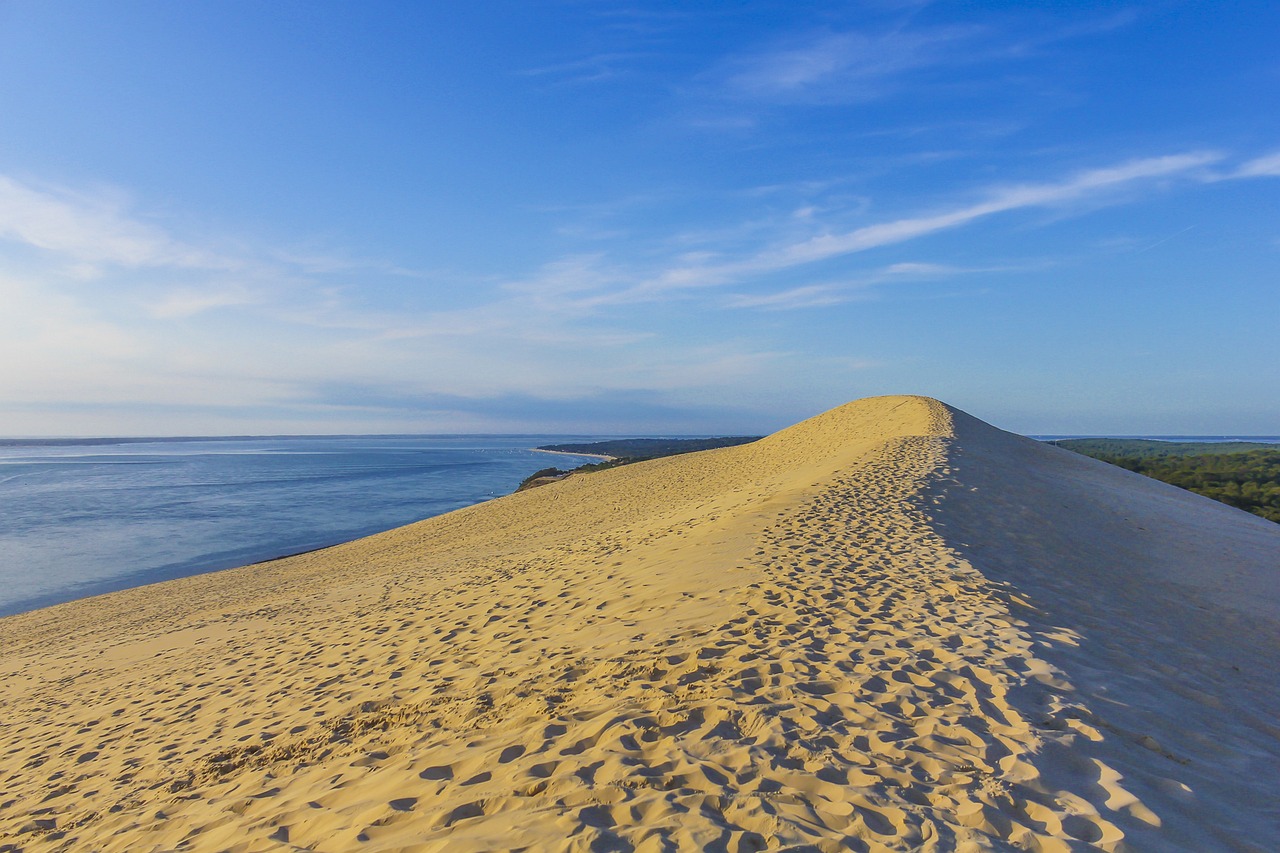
[241,218]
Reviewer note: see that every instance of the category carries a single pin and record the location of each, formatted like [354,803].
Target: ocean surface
[79,519]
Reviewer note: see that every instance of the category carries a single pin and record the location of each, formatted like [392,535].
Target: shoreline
[178,571]
[163,574]
[603,456]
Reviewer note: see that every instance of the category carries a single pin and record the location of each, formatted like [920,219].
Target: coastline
[567,453]
[418,492]
[196,567]
[145,578]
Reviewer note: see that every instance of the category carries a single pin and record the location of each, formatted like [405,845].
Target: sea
[79,518]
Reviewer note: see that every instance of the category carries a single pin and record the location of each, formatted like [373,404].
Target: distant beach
[563,453]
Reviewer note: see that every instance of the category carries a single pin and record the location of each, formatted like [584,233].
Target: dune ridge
[891,626]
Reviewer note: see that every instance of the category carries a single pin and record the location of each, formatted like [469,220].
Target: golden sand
[889,627]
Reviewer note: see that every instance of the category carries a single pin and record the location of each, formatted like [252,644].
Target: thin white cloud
[1265,166]
[89,230]
[699,367]
[808,296]
[852,65]
[822,295]
[914,268]
[554,282]
[846,66]
[590,69]
[316,262]
[1085,185]
[1163,240]
[189,302]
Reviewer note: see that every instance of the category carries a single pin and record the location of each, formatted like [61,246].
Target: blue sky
[248,217]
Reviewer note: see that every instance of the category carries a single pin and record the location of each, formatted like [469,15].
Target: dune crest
[891,626]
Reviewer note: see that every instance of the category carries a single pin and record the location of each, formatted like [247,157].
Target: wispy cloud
[808,296]
[188,302]
[590,69]
[1086,185]
[91,229]
[1267,165]
[74,239]
[853,65]
[1149,246]
[840,66]
[857,288]
[88,231]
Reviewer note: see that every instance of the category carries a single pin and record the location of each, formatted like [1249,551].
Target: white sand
[889,627]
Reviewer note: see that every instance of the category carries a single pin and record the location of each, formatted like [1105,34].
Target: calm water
[78,520]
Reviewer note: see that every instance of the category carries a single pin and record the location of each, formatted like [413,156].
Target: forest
[1245,475]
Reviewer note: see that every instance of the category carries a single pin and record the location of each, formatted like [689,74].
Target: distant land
[649,448]
[624,451]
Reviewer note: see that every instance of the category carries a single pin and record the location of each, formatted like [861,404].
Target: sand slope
[889,627]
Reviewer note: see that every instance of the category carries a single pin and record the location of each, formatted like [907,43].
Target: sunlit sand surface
[889,627]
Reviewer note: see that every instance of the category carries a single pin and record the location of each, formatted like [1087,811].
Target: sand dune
[889,627]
